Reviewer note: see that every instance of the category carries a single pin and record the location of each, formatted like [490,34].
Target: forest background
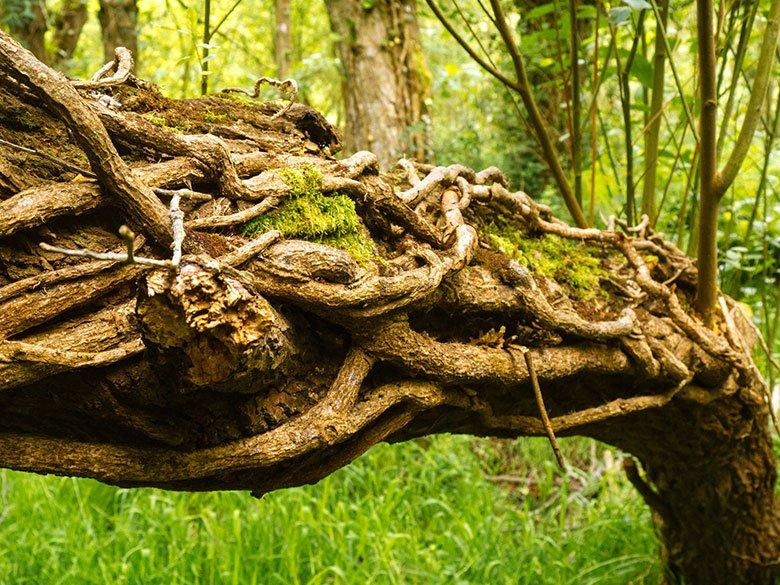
[461,510]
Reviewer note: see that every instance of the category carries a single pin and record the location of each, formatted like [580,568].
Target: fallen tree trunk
[295,310]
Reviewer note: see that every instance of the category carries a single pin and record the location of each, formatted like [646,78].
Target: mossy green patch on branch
[212,118]
[156,120]
[566,261]
[308,214]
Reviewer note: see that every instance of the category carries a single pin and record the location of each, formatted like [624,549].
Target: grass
[422,512]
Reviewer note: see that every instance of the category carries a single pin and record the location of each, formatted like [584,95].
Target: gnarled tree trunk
[318,310]
[385,77]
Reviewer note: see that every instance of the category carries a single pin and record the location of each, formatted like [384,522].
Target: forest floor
[431,511]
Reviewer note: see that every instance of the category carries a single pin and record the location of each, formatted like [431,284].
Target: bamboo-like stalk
[713,183]
[204,64]
[593,121]
[625,103]
[668,48]
[739,59]
[535,116]
[656,103]
[522,86]
[707,291]
[576,146]
[766,59]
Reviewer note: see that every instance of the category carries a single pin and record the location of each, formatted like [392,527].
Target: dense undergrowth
[430,511]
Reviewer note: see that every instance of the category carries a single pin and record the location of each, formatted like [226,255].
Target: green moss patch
[568,262]
[156,120]
[308,214]
[212,118]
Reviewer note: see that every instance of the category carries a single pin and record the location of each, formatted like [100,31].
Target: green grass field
[430,511]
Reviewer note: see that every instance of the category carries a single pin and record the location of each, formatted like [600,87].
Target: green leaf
[539,11]
[638,4]
[642,70]
[619,15]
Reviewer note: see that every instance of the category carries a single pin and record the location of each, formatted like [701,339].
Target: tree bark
[119,23]
[67,28]
[385,77]
[321,306]
[283,43]
[31,26]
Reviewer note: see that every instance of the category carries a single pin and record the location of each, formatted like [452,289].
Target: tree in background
[119,23]
[27,21]
[386,83]
[283,38]
[68,25]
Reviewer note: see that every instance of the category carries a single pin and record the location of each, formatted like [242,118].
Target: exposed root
[543,411]
[113,73]
[286,86]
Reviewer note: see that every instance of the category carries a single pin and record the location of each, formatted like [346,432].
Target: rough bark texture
[283,43]
[119,22]
[322,306]
[67,28]
[385,77]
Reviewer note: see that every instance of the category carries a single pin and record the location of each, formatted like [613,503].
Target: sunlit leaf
[638,4]
[619,15]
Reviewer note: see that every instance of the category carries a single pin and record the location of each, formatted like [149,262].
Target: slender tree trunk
[30,28]
[67,28]
[708,165]
[283,42]
[385,77]
[119,22]
[656,105]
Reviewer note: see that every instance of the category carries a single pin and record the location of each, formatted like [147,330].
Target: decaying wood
[261,362]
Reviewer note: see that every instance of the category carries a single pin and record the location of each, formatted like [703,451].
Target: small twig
[183,193]
[251,249]
[542,410]
[240,217]
[507,479]
[49,157]
[675,276]
[286,86]
[109,256]
[128,237]
[177,223]
[122,66]
[638,229]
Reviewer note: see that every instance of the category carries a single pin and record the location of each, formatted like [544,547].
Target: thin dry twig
[50,157]
[542,410]
[286,86]
[119,69]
